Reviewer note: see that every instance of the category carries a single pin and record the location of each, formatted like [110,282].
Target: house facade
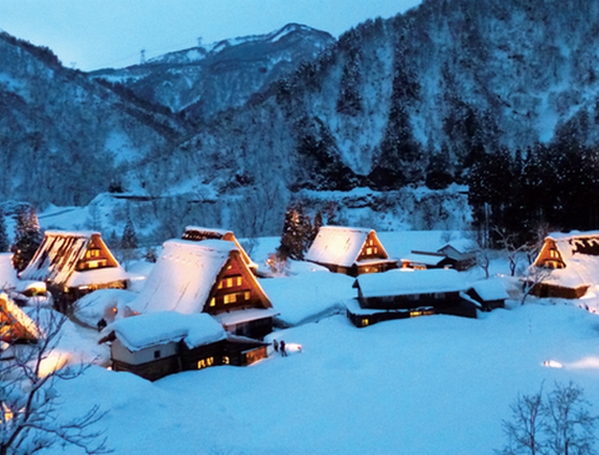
[74,264]
[15,325]
[155,345]
[348,250]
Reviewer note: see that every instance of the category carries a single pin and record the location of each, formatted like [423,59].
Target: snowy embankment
[431,385]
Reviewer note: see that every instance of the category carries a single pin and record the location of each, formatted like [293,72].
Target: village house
[567,265]
[15,324]
[210,276]
[198,234]
[74,264]
[489,293]
[348,250]
[407,293]
[457,254]
[154,345]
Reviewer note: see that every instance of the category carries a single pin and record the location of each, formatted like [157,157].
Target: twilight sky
[92,34]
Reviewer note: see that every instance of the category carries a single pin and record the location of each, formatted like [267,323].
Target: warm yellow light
[552,364]
[7,414]
[54,361]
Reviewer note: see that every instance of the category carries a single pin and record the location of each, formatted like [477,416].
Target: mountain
[64,137]
[204,80]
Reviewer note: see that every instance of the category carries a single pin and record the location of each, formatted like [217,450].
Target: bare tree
[570,425]
[508,243]
[30,407]
[524,431]
[533,278]
[557,423]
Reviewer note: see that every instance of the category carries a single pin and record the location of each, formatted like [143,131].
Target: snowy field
[431,385]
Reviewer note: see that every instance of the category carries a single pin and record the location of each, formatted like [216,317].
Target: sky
[92,34]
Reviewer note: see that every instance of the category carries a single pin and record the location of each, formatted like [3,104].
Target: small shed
[349,250]
[74,264]
[158,344]
[409,293]
[489,293]
[422,260]
[461,251]
[208,276]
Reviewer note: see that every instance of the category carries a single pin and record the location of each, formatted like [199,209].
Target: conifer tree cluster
[4,242]
[129,238]
[298,232]
[28,237]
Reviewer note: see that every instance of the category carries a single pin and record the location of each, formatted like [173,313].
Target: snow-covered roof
[462,246]
[199,233]
[338,245]
[16,313]
[183,276]
[146,330]
[425,259]
[240,316]
[409,281]
[573,235]
[8,275]
[57,257]
[491,289]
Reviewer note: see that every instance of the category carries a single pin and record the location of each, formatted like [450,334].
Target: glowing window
[229,282]
[369,251]
[230,298]
[247,295]
[239,281]
[220,285]
[92,253]
[226,360]
[553,254]
[212,301]
[415,314]
[365,322]
[205,363]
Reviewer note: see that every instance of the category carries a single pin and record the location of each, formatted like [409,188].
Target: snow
[239,316]
[183,276]
[424,259]
[491,289]
[100,304]
[8,275]
[409,281]
[152,329]
[353,391]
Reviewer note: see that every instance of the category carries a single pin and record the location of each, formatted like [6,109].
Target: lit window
[365,322]
[220,285]
[229,282]
[212,301]
[553,254]
[415,314]
[205,363]
[226,360]
[369,251]
[238,281]
[230,298]
[375,250]
[247,295]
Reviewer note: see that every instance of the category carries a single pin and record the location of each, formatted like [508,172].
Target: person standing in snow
[275,345]
[282,347]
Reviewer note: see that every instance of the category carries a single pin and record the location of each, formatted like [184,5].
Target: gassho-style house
[74,264]
[349,250]
[211,277]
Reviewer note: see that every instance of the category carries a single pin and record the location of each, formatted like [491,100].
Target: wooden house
[212,277]
[406,293]
[490,293]
[461,252]
[348,250]
[154,345]
[15,324]
[199,234]
[74,264]
[568,265]
[422,260]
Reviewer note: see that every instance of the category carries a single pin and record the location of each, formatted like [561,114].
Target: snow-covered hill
[205,80]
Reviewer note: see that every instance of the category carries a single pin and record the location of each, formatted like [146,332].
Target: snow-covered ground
[431,385]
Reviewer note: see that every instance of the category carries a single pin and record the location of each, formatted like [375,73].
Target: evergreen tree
[297,233]
[129,237]
[28,237]
[4,242]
